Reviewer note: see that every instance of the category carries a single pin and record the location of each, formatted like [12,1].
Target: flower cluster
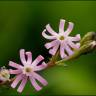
[28,68]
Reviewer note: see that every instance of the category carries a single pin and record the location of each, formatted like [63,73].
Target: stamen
[28,69]
[61,37]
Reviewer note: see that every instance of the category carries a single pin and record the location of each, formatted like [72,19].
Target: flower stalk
[88,45]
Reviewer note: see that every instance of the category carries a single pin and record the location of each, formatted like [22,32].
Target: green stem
[74,56]
[53,60]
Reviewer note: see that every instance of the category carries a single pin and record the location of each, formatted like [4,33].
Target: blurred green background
[21,24]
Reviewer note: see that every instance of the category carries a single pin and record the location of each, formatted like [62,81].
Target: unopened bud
[88,47]
[93,44]
[90,36]
[4,74]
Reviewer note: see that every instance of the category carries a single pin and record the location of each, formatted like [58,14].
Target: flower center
[61,37]
[28,69]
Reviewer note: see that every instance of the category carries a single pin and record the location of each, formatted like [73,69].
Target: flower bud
[88,47]
[89,36]
[4,74]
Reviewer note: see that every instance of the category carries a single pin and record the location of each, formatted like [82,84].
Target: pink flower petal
[68,50]
[14,71]
[54,49]
[40,79]
[17,80]
[73,45]
[37,60]
[40,67]
[15,65]
[22,56]
[78,45]
[34,83]
[69,29]
[22,85]
[51,44]
[47,36]
[62,52]
[29,57]
[61,26]
[76,38]
[50,30]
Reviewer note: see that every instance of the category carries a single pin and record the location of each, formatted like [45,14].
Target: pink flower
[62,40]
[28,70]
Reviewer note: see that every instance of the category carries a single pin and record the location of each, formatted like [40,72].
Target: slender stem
[6,82]
[52,62]
[74,56]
